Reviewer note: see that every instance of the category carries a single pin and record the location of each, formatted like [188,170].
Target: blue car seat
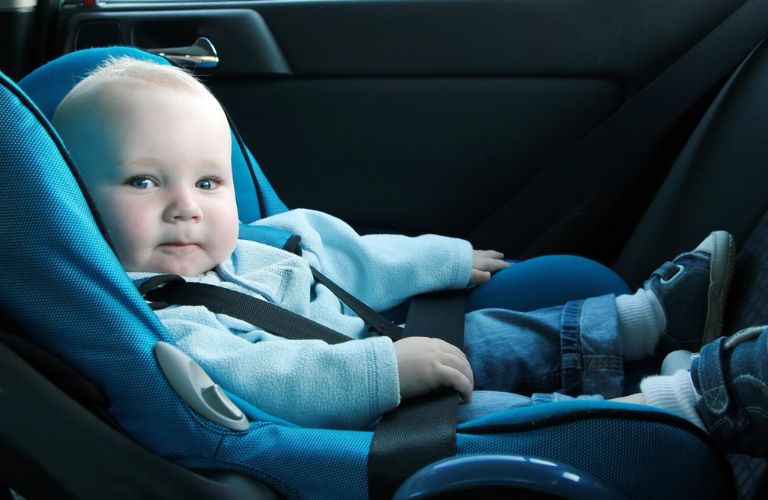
[63,286]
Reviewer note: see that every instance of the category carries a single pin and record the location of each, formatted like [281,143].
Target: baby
[153,146]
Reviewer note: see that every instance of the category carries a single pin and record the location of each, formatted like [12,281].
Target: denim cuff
[590,351]
[570,348]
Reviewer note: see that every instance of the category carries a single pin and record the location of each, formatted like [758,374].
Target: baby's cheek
[225,225]
[225,240]
[131,230]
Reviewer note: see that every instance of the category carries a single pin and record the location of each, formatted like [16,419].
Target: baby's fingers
[450,377]
[454,358]
[489,254]
[488,260]
[494,265]
[479,277]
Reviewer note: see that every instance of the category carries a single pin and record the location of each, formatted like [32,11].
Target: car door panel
[404,162]
[255,53]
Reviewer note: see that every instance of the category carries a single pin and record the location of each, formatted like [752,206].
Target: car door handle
[201,54]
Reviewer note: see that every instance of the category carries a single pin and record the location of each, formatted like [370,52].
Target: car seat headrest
[48,84]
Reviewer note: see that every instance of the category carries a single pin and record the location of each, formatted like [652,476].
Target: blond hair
[127,70]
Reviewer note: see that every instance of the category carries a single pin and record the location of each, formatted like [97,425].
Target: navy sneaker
[692,289]
[731,376]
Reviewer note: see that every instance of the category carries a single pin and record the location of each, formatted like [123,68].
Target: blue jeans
[572,349]
[731,375]
[489,402]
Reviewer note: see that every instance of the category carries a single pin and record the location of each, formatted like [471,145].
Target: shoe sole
[720,275]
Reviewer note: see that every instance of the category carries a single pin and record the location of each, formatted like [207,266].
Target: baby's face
[157,162]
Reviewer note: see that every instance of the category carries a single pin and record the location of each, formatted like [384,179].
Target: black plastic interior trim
[38,420]
[435,37]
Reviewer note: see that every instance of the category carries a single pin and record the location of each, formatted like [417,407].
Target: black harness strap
[172,289]
[374,320]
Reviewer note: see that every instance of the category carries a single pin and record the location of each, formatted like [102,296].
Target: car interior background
[447,117]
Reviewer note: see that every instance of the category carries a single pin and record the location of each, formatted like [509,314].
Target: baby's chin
[182,268]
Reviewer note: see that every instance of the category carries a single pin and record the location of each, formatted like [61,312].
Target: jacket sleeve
[380,269]
[310,383]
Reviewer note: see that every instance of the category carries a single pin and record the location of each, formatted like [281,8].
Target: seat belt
[617,149]
[420,431]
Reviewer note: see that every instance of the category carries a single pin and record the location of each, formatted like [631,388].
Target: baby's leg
[725,393]
[579,348]
[546,281]
[572,349]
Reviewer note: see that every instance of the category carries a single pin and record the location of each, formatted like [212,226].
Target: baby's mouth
[178,244]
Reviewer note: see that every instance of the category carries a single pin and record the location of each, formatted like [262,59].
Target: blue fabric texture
[248,206]
[546,281]
[48,85]
[61,281]
[568,432]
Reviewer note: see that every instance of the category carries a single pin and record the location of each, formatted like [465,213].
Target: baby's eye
[207,183]
[141,182]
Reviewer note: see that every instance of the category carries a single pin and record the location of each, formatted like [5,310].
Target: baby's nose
[183,207]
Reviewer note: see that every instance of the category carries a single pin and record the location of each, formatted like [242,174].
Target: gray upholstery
[719,180]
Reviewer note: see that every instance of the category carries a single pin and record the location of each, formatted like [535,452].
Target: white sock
[674,393]
[641,321]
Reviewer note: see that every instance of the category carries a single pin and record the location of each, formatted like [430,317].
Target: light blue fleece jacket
[308,382]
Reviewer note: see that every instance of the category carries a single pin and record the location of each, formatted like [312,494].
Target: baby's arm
[307,382]
[382,270]
[425,364]
[485,262]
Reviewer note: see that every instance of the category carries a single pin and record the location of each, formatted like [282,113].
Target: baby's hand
[425,364]
[485,262]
